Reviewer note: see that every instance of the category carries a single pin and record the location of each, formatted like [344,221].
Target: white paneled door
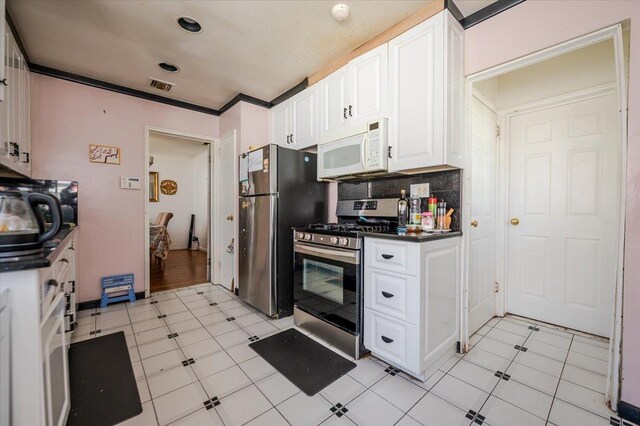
[225,193]
[563,207]
[482,232]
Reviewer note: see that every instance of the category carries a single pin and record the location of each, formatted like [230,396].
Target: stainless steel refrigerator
[278,190]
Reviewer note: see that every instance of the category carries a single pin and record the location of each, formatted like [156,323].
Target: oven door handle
[339,255]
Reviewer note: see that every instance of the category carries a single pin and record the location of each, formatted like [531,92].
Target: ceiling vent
[165,86]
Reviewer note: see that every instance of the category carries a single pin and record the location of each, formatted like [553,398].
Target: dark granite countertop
[413,236]
[39,261]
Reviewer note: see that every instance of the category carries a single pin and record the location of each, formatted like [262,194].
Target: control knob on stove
[334,240]
[300,235]
[307,237]
[344,241]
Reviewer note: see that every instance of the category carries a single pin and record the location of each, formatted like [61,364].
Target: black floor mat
[103,385]
[303,361]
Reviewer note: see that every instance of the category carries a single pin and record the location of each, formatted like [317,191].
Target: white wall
[187,165]
[582,69]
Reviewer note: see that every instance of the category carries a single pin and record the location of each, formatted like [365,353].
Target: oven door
[327,284]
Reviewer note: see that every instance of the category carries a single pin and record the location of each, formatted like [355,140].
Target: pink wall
[251,123]
[535,25]
[66,118]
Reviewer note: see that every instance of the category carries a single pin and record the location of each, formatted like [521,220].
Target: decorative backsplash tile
[444,185]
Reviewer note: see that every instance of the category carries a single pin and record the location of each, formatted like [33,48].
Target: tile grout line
[560,379]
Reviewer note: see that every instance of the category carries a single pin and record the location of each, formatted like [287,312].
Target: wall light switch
[130,183]
[419,189]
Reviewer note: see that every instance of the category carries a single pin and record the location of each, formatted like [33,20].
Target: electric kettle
[22,227]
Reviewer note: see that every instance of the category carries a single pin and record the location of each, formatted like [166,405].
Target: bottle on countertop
[441,215]
[432,205]
[415,212]
[403,210]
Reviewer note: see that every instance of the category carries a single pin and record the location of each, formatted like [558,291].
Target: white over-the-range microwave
[354,151]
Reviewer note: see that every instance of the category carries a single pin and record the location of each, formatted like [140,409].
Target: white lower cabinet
[411,316]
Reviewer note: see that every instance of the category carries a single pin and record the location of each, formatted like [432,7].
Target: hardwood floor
[182,268]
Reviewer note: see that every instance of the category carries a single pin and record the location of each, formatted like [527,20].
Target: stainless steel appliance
[328,271]
[278,190]
[354,151]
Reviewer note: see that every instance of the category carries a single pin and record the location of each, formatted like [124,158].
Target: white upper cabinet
[15,150]
[426,86]
[334,100]
[3,26]
[369,86]
[304,118]
[280,127]
[357,92]
[294,122]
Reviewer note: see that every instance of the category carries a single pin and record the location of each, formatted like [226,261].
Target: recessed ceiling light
[168,67]
[189,24]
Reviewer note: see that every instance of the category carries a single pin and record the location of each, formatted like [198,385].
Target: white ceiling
[259,48]
[172,145]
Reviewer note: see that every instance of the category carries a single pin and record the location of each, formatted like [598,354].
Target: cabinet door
[454,96]
[304,118]
[416,97]
[280,125]
[334,100]
[369,85]
[13,82]
[25,138]
[3,26]
[5,359]
[4,106]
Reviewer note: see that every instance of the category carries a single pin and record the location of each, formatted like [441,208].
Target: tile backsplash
[445,185]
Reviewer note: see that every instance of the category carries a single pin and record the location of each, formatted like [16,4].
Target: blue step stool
[117,284]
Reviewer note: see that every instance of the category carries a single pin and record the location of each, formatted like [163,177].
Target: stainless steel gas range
[328,271]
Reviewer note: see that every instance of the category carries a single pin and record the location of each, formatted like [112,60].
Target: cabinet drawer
[393,294]
[389,255]
[393,340]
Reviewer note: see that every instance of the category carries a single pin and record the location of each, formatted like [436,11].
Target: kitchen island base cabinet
[411,317]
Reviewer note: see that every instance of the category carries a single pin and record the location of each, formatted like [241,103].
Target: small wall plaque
[104,154]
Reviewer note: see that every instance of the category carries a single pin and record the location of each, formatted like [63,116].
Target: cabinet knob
[350,111]
[387,295]
[230,217]
[4,82]
[387,256]
[344,113]
[474,223]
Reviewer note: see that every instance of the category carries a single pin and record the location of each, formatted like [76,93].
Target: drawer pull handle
[386,339]
[387,295]
[387,256]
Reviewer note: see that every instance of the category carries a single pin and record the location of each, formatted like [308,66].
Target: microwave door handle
[363,151]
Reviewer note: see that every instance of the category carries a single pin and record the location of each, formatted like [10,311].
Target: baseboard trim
[92,304]
[629,412]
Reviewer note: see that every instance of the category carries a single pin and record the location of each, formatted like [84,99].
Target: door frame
[183,135]
[611,33]
[216,206]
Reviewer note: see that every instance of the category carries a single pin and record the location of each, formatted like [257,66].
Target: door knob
[515,221]
[474,223]
[230,217]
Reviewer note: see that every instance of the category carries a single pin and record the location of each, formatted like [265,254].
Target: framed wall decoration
[154,193]
[169,187]
[104,154]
